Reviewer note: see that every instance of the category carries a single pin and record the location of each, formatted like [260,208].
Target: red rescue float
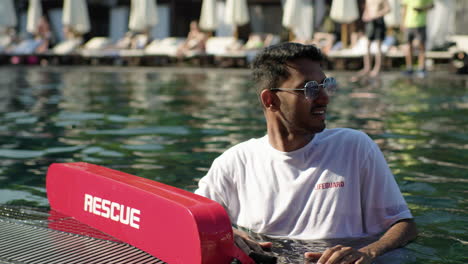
[174,225]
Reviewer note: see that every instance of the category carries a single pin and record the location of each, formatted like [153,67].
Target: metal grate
[26,238]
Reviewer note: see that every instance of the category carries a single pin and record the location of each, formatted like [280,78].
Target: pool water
[168,124]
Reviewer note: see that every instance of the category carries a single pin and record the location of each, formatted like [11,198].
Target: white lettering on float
[115,211]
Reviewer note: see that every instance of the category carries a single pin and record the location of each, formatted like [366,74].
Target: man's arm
[425,8]
[403,17]
[384,8]
[398,235]
[255,250]
[245,242]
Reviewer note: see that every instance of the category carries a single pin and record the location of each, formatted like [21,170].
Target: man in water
[303,181]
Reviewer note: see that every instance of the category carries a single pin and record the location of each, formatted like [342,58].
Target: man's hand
[339,255]
[398,235]
[254,249]
[248,244]
[366,18]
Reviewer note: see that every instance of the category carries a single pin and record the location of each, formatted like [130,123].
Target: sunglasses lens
[330,85]
[311,89]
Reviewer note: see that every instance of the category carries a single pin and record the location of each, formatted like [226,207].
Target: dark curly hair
[270,65]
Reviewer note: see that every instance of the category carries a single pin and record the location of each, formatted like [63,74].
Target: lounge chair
[5,42]
[23,52]
[351,58]
[223,49]
[163,51]
[67,47]
[96,44]
[66,52]
[134,54]
[98,50]
[236,53]
[25,47]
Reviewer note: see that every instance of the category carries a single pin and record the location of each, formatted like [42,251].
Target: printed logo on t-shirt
[328,185]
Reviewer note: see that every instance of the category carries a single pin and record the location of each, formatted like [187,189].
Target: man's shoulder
[417,3]
[375,2]
[344,133]
[248,144]
[243,148]
[344,138]
[425,2]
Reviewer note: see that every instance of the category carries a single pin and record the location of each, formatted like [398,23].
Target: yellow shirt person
[414,24]
[416,12]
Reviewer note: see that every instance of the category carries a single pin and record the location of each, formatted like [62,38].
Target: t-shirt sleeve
[218,185]
[382,202]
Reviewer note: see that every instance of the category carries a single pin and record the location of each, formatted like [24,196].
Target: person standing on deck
[414,24]
[373,16]
[303,181]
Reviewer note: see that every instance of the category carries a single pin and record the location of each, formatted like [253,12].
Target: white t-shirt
[338,185]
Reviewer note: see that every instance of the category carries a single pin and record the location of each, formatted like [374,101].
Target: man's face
[297,113]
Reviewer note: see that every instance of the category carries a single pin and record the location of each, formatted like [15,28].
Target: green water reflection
[169,124]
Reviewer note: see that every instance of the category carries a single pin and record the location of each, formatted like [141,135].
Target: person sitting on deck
[8,38]
[44,35]
[302,181]
[254,42]
[195,42]
[323,40]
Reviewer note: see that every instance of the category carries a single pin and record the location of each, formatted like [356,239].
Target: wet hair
[270,66]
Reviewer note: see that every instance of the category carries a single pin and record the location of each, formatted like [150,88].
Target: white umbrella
[393,18]
[7,14]
[290,10]
[208,19]
[75,16]
[143,15]
[34,15]
[344,11]
[298,17]
[237,12]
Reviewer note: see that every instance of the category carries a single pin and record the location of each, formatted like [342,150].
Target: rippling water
[169,124]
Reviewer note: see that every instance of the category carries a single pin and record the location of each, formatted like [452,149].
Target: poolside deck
[335,61]
[391,60]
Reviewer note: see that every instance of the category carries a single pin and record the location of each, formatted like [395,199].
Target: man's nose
[322,97]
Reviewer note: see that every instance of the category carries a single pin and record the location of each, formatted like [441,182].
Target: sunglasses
[312,88]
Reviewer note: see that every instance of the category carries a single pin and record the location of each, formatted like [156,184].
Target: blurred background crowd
[230,28]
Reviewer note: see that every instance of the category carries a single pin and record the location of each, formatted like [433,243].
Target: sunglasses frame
[329,84]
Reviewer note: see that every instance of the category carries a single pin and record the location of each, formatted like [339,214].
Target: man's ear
[269,99]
